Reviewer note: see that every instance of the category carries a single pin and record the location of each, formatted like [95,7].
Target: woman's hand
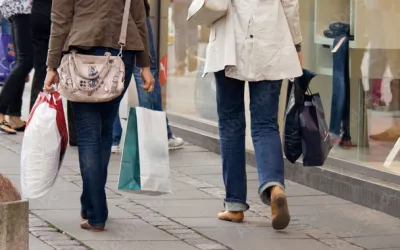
[51,79]
[148,79]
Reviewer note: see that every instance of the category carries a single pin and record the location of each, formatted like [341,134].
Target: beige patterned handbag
[88,78]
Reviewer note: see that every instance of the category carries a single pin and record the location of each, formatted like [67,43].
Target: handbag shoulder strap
[124,28]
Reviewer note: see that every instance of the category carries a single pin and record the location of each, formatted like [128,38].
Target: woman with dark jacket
[92,27]
[18,13]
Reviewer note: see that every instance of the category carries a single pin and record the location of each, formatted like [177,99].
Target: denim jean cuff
[264,193]
[233,205]
[96,224]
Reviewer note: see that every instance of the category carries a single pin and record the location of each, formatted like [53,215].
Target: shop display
[340,106]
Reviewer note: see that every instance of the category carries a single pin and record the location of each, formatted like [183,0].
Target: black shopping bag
[316,143]
[292,145]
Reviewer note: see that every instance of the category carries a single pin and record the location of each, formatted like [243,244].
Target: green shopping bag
[145,157]
[129,175]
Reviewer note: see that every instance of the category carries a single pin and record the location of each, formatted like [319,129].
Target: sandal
[6,128]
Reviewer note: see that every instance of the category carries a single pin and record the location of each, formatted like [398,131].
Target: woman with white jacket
[258,41]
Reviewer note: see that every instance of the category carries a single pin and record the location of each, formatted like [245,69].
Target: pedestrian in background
[18,13]
[255,42]
[88,27]
[41,23]
[148,100]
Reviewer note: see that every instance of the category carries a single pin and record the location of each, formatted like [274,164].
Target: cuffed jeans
[148,100]
[94,126]
[264,103]
[340,108]
[11,94]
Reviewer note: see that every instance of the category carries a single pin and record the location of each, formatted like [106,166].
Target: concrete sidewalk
[186,219]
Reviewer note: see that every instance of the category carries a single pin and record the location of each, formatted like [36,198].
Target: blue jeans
[340,108]
[148,100]
[94,125]
[264,103]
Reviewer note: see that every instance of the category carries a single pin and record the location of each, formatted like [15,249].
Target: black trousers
[11,94]
[41,25]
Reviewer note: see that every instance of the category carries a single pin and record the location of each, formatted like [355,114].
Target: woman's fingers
[148,86]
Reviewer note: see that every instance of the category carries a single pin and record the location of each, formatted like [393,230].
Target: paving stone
[42,229]
[45,232]
[170,227]
[189,236]
[37,223]
[194,182]
[163,223]
[116,229]
[215,223]
[319,234]
[36,244]
[202,241]
[201,170]
[340,244]
[211,247]
[157,219]
[180,231]
[376,241]
[71,248]
[55,236]
[139,245]
[57,200]
[63,243]
[186,208]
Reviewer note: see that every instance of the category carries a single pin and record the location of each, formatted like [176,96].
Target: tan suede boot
[231,216]
[279,209]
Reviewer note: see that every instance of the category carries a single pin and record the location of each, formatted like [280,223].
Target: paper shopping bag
[145,157]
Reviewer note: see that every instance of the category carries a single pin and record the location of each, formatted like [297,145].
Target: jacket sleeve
[138,12]
[291,9]
[62,13]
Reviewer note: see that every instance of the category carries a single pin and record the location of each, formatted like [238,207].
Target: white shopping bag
[145,158]
[43,146]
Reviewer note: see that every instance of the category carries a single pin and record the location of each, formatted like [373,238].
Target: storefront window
[353,46]
[188,93]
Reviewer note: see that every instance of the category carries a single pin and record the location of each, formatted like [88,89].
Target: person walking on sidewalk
[257,41]
[41,23]
[91,27]
[18,13]
[153,100]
